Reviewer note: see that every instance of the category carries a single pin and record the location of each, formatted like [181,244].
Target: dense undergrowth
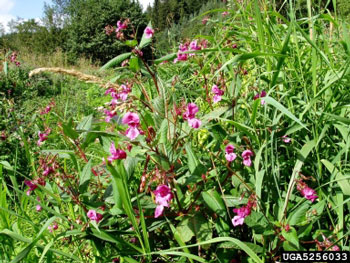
[232,149]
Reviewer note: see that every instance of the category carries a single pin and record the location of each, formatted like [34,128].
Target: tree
[87,20]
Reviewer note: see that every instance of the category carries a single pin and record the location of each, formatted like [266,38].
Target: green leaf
[284,110]
[131,43]
[291,236]
[342,182]
[115,61]
[168,57]
[68,129]
[85,123]
[85,177]
[214,201]
[135,64]
[257,221]
[194,165]
[195,225]
[298,215]
[6,165]
[145,41]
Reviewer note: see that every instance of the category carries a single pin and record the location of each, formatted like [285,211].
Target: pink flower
[31,186]
[116,154]
[163,196]
[149,32]
[230,155]
[181,57]
[192,109]
[224,13]
[124,94]
[38,208]
[121,26]
[48,170]
[46,110]
[286,139]
[133,121]
[194,45]
[205,20]
[218,93]
[190,115]
[42,136]
[309,194]
[194,123]
[53,227]
[242,213]
[109,115]
[237,220]
[93,215]
[183,47]
[335,248]
[261,95]
[246,157]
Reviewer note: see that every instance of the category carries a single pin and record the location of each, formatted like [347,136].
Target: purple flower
[230,155]
[218,93]
[194,45]
[121,26]
[181,57]
[38,208]
[117,154]
[133,121]
[42,137]
[149,32]
[93,215]
[163,196]
[246,157]
[194,123]
[261,95]
[242,213]
[31,186]
[109,115]
[309,194]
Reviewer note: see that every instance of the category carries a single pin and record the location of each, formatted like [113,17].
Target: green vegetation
[232,147]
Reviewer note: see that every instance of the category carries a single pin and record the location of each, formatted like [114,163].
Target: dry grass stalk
[79,75]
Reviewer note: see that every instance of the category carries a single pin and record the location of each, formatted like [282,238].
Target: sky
[11,9]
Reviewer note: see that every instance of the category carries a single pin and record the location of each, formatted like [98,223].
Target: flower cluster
[243,211]
[306,191]
[217,93]
[163,196]
[93,215]
[190,115]
[192,46]
[34,184]
[13,59]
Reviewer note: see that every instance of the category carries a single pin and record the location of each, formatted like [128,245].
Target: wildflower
[183,47]
[116,154]
[190,115]
[181,57]
[163,197]
[125,91]
[205,20]
[53,227]
[31,186]
[109,30]
[306,191]
[48,170]
[224,13]
[194,123]
[218,93]
[93,215]
[261,95]
[38,208]
[286,139]
[110,115]
[43,136]
[194,45]
[133,121]
[242,213]
[246,157]
[230,155]
[46,110]
[121,26]
[309,194]
[149,32]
